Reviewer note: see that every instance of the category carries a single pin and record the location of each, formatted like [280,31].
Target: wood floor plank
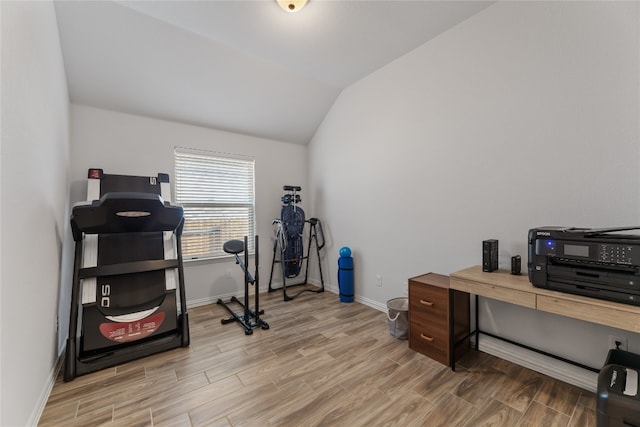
[141,418]
[367,374]
[58,413]
[450,411]
[274,368]
[61,387]
[584,414]
[221,422]
[351,409]
[135,388]
[157,396]
[410,410]
[583,417]
[408,376]
[100,416]
[228,401]
[180,420]
[558,395]
[440,382]
[273,341]
[259,411]
[241,362]
[478,386]
[173,405]
[310,409]
[202,362]
[495,414]
[518,388]
[103,387]
[321,363]
[541,415]
[300,368]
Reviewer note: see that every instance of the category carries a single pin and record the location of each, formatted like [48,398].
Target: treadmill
[128,295]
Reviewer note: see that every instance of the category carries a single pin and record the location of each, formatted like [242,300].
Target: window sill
[213,259]
[208,260]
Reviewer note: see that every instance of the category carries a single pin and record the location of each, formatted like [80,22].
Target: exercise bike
[249,319]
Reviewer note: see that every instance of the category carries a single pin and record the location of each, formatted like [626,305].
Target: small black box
[489,255]
[516,265]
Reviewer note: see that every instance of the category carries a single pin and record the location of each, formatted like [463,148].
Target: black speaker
[489,255]
[516,264]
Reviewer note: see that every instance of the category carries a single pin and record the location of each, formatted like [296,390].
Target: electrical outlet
[228,273]
[379,280]
[617,342]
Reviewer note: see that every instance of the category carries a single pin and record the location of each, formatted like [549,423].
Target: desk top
[503,286]
[432,279]
[498,277]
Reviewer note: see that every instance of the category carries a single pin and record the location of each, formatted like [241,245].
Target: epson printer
[600,263]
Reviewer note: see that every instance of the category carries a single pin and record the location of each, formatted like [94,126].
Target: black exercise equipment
[249,319]
[128,280]
[289,231]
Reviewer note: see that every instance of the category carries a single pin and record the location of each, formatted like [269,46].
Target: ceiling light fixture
[292,5]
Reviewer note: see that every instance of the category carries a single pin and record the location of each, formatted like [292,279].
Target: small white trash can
[398,315]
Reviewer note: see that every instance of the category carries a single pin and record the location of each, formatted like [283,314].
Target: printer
[600,263]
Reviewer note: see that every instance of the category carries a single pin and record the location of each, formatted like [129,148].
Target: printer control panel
[589,253]
[615,253]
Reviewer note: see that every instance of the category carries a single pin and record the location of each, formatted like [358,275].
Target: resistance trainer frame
[249,319]
[289,239]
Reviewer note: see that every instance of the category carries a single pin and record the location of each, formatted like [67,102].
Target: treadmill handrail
[127,268]
[125,212]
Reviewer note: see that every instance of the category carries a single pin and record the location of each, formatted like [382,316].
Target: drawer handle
[426,338]
[427,303]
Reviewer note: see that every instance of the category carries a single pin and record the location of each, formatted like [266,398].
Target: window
[217,195]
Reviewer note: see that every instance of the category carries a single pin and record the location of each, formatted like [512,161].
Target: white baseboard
[557,369]
[214,299]
[362,300]
[371,303]
[208,300]
[34,418]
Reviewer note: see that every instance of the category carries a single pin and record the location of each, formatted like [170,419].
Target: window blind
[217,195]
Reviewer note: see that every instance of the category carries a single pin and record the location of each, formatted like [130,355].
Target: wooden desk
[503,286]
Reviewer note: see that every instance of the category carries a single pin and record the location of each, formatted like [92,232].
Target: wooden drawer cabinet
[430,322]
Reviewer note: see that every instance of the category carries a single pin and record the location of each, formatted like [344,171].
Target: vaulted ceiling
[244,66]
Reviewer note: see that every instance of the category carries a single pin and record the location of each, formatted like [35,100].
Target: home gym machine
[127,296]
[289,230]
[250,319]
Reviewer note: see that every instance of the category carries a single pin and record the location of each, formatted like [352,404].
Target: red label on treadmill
[95,173]
[132,331]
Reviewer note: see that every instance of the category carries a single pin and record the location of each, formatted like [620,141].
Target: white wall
[133,145]
[34,194]
[524,115]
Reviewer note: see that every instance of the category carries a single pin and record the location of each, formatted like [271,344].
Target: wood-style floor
[322,362]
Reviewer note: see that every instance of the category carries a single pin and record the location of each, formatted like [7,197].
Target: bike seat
[233,246]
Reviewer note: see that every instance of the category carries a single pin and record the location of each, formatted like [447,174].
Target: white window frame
[215,190]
